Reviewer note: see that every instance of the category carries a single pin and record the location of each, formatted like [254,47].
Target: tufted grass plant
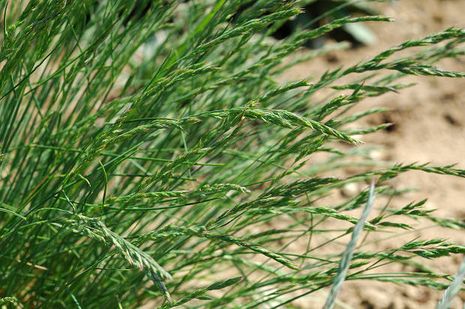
[151,155]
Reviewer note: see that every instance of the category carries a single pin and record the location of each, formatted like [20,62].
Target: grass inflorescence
[151,154]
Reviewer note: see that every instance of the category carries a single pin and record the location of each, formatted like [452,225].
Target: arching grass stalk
[151,154]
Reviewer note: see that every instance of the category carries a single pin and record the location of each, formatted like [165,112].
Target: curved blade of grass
[349,252]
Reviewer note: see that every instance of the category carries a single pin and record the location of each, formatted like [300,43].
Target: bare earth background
[429,126]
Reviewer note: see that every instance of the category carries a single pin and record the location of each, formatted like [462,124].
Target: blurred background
[428,126]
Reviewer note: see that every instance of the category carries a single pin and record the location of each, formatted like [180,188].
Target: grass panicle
[153,154]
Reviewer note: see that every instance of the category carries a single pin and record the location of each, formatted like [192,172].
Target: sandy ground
[429,127]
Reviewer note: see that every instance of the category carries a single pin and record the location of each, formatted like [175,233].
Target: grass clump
[149,155]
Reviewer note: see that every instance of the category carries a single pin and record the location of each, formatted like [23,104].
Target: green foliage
[156,158]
